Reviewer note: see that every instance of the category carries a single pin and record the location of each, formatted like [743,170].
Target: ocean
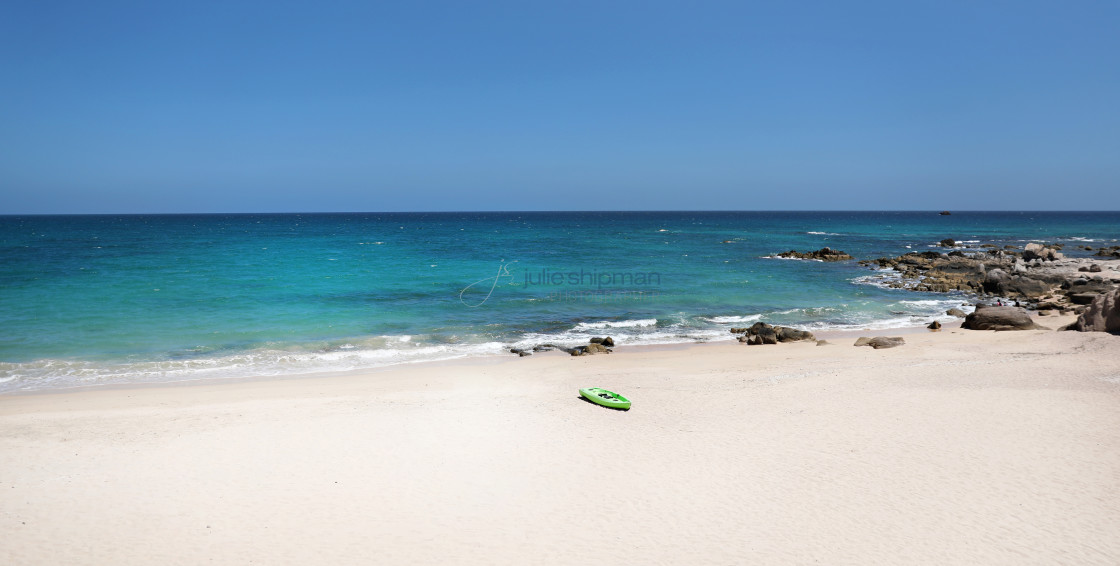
[102,299]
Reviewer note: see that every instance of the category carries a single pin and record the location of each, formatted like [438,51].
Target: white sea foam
[733,319]
[42,374]
[824,233]
[791,258]
[615,324]
[379,351]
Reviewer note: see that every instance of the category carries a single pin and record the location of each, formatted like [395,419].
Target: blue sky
[384,106]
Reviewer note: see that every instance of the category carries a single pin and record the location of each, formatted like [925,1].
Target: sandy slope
[960,447]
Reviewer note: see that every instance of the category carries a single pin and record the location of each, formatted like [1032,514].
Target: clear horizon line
[636,211]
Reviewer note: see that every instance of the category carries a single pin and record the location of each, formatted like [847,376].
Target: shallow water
[116,299]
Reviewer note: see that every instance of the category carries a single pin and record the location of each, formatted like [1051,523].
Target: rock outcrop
[1103,315]
[823,254]
[596,349]
[999,318]
[596,346]
[880,342]
[999,282]
[608,341]
[1047,277]
[1111,251]
[1039,251]
[763,333]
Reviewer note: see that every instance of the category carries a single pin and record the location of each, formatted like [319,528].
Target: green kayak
[605,398]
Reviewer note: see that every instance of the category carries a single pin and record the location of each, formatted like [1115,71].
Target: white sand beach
[960,447]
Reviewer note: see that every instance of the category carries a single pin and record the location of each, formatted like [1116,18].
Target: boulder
[1030,287]
[934,325]
[1030,251]
[1103,315]
[595,349]
[955,312]
[524,353]
[608,342]
[996,281]
[999,318]
[879,342]
[596,340]
[823,342]
[768,336]
[999,282]
[1083,298]
[763,333]
[787,334]
[947,243]
[1095,268]
[1034,251]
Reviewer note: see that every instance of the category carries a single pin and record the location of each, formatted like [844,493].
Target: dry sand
[960,447]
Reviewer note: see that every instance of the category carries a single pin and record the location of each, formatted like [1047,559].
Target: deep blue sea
[88,300]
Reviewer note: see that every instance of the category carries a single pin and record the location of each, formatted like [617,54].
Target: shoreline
[481,359]
[959,447]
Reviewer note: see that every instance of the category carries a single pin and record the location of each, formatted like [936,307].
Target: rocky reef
[823,254]
[1039,276]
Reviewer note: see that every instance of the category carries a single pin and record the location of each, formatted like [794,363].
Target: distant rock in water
[945,213]
[1103,315]
[1111,251]
[823,254]
[956,312]
[948,243]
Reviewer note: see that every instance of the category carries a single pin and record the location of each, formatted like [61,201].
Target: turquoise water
[111,299]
